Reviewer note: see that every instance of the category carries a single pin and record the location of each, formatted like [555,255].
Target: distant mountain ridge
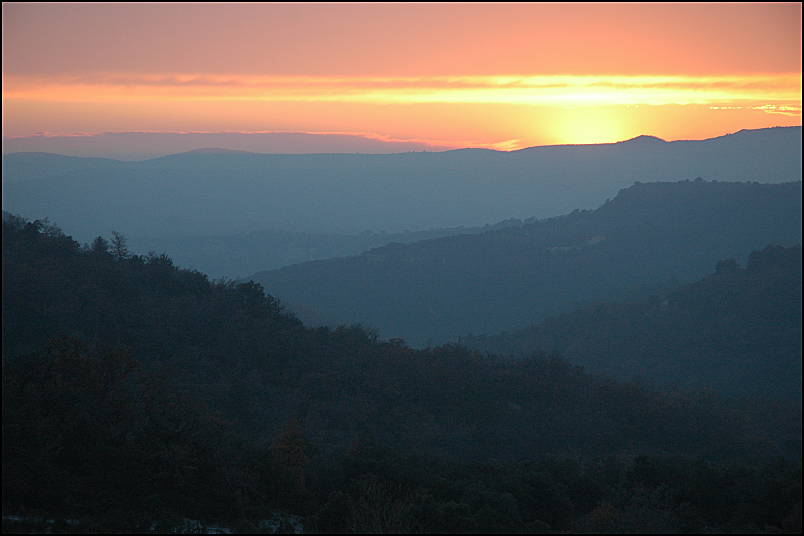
[196,194]
[645,139]
[37,144]
[648,138]
[648,235]
[144,145]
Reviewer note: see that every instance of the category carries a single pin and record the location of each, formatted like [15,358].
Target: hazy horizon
[478,75]
[135,146]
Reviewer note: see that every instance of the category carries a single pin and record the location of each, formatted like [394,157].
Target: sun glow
[492,75]
[589,125]
[502,112]
[530,90]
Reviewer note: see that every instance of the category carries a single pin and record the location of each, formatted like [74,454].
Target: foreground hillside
[646,237]
[736,331]
[235,347]
[134,390]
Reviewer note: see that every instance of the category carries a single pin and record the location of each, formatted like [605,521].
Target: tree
[100,245]
[119,247]
[289,455]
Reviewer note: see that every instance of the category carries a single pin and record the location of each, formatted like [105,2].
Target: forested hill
[134,389]
[648,235]
[214,194]
[736,331]
[235,348]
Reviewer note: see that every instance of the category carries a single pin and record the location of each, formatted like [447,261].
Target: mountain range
[144,145]
[220,193]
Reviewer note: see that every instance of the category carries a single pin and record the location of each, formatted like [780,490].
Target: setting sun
[502,77]
[588,125]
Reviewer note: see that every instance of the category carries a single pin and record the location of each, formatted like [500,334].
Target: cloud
[792,111]
[782,90]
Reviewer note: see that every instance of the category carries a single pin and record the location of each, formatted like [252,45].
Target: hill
[237,349]
[209,194]
[135,392]
[649,237]
[736,331]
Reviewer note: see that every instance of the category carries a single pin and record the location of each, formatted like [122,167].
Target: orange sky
[503,76]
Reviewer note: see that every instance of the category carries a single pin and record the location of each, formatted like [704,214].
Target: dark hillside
[649,234]
[134,391]
[736,331]
[235,348]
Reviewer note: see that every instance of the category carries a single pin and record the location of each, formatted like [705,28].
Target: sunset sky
[497,75]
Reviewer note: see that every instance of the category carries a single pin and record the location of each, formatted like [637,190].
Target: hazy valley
[648,238]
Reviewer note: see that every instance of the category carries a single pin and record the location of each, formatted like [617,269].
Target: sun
[586,124]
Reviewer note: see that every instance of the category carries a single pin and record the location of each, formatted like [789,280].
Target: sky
[503,76]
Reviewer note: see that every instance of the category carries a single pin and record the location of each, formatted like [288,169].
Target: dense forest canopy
[133,389]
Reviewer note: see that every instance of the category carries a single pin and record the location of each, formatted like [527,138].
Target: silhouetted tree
[100,245]
[119,246]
